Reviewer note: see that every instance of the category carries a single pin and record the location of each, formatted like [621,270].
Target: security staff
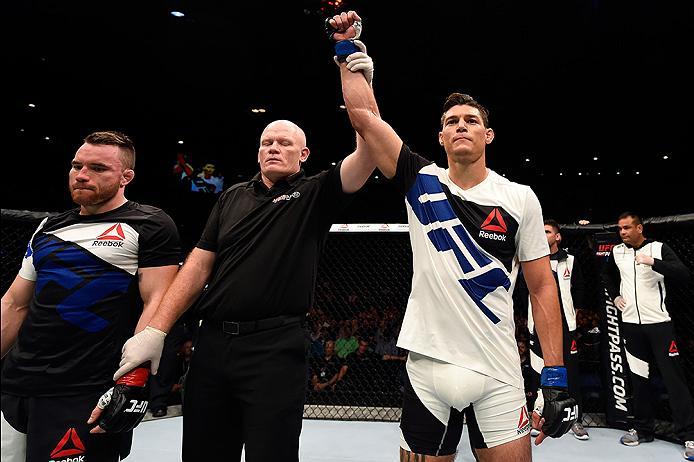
[635,277]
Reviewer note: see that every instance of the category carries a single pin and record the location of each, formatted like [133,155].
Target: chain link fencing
[356,370]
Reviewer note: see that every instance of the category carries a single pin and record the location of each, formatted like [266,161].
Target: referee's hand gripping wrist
[145,346]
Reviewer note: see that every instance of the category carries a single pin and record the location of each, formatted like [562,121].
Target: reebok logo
[69,445]
[523,421]
[112,237]
[496,223]
[493,236]
[673,351]
[574,347]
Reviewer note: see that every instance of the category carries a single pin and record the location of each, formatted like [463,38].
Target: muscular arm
[15,304]
[381,141]
[186,287]
[153,283]
[545,305]
[356,168]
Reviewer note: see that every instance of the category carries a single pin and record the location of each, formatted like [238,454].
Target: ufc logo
[571,413]
[137,406]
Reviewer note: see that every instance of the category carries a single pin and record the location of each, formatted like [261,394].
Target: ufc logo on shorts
[137,406]
[571,413]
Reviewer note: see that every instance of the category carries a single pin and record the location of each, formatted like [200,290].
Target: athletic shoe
[632,438]
[579,432]
[689,450]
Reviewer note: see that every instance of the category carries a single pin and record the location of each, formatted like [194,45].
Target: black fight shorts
[54,429]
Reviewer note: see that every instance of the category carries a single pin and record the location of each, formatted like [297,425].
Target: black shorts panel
[56,429]
[473,428]
[423,432]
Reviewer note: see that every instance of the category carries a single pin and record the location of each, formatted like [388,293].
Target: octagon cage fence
[361,293]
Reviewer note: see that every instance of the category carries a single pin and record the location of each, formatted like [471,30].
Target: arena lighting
[527,159]
[595,158]
[666,157]
[177,14]
[47,138]
[637,172]
[333,163]
[617,172]
[257,110]
[31,105]
[342,106]
[579,173]
[180,141]
[561,173]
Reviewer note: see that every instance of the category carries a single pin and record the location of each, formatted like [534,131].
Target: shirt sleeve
[27,270]
[159,242]
[409,165]
[532,242]
[671,266]
[332,200]
[209,238]
[611,276]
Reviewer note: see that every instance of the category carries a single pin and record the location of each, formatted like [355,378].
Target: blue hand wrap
[344,48]
[554,377]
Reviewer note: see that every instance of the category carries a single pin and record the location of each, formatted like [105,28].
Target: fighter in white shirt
[470,230]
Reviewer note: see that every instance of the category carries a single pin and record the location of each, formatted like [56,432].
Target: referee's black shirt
[268,243]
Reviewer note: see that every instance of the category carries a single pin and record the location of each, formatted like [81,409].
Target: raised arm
[381,141]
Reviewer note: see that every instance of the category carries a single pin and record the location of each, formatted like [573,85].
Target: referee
[259,256]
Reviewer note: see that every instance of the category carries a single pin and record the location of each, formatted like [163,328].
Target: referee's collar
[283,183]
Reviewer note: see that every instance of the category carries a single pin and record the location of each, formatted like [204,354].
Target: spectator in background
[182,168]
[207,181]
[326,370]
[360,368]
[637,274]
[346,342]
[317,335]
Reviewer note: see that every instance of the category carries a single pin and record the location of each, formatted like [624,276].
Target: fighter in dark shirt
[87,277]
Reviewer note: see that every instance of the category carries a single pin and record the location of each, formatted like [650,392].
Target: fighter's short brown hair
[459,99]
[113,138]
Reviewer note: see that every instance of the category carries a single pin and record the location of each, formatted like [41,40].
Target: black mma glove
[559,410]
[125,404]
